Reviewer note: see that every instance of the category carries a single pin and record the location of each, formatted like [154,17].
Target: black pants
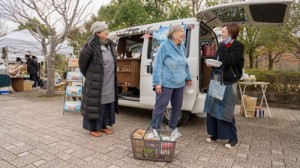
[34,77]
[107,118]
[221,129]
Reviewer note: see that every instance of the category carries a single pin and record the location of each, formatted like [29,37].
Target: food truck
[137,47]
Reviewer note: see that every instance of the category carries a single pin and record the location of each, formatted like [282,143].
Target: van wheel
[182,118]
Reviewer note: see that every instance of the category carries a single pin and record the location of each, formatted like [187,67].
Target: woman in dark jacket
[19,61]
[220,119]
[32,69]
[97,63]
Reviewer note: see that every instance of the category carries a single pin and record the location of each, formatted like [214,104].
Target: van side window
[153,45]
[153,48]
[187,42]
[149,53]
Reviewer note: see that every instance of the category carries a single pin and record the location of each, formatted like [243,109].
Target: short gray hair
[173,29]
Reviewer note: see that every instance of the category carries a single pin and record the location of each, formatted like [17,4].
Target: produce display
[72,106]
[73,91]
[18,70]
[74,76]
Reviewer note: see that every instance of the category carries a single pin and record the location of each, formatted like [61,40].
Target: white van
[137,47]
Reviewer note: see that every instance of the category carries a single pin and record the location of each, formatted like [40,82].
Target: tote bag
[216,90]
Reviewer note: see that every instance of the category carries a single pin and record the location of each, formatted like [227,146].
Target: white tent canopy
[12,57]
[19,43]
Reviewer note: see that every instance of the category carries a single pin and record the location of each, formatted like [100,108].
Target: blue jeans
[161,103]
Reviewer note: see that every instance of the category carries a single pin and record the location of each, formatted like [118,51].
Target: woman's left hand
[189,83]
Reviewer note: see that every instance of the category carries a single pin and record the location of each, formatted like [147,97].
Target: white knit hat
[98,27]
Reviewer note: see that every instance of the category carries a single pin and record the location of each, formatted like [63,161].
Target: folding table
[263,86]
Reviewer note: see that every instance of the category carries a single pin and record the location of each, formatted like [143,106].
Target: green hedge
[280,82]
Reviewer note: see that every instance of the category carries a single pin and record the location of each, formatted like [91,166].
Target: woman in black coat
[220,119]
[97,63]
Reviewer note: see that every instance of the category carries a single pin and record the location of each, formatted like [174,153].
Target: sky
[96,4]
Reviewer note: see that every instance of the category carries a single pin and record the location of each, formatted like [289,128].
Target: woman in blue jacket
[170,75]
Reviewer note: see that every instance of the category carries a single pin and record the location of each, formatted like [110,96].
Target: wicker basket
[154,150]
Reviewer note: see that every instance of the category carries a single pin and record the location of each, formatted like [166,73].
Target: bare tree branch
[59,17]
[277,57]
[296,54]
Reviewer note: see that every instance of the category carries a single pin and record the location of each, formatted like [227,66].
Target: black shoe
[211,139]
[231,143]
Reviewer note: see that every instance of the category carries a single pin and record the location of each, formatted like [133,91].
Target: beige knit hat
[98,27]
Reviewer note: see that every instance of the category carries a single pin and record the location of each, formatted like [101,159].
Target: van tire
[182,119]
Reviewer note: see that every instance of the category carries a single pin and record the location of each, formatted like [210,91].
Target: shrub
[280,82]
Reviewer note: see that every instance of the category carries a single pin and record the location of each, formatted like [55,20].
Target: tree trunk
[51,72]
[194,7]
[251,60]
[43,71]
[256,62]
[270,62]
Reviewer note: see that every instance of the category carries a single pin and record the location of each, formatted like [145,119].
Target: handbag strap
[216,74]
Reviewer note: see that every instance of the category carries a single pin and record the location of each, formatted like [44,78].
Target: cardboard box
[27,85]
[60,87]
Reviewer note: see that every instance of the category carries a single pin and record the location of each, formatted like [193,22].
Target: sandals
[107,131]
[95,133]
[98,133]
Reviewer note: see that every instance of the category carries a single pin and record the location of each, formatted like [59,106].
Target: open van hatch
[250,13]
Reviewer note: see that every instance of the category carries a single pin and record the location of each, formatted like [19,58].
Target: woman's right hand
[158,89]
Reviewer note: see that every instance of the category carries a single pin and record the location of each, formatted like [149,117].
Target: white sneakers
[230,144]
[211,139]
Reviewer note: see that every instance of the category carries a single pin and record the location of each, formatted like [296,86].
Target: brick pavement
[34,133]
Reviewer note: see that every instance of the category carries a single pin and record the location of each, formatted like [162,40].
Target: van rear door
[248,13]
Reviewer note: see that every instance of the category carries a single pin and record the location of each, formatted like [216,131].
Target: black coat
[232,61]
[32,66]
[91,66]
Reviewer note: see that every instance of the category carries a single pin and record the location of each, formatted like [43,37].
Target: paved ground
[34,133]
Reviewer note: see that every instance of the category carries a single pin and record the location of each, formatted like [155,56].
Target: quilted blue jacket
[171,69]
